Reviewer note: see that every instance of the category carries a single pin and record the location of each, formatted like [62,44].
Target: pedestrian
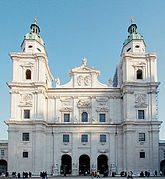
[92,174]
[95,174]
[98,174]
[30,174]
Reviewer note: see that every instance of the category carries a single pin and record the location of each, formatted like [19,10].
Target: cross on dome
[35,20]
[132,19]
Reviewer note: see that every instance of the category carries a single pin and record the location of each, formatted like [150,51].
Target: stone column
[75,159]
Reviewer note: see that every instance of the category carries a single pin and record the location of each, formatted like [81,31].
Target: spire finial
[84,61]
[132,19]
[35,20]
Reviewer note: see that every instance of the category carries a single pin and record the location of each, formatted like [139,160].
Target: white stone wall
[84,93]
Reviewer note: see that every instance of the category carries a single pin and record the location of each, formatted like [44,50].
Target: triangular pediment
[84,69]
[82,77]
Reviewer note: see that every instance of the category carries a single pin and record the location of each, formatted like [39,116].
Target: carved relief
[57,82]
[66,102]
[87,80]
[84,80]
[103,150]
[80,80]
[26,100]
[139,64]
[140,100]
[27,97]
[84,103]
[102,103]
[102,109]
[66,109]
[102,99]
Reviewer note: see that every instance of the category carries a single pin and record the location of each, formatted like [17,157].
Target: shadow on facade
[84,165]
[162,167]
[3,167]
[66,164]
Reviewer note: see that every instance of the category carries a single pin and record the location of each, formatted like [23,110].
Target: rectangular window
[84,138]
[25,136]
[26,114]
[25,154]
[140,114]
[65,138]
[66,117]
[2,152]
[141,137]
[103,138]
[102,117]
[142,154]
[84,117]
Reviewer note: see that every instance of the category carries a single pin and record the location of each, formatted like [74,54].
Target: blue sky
[73,29]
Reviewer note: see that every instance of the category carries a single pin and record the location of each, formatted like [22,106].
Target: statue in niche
[57,82]
[110,82]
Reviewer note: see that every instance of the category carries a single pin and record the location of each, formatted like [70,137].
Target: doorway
[3,167]
[84,165]
[102,164]
[162,167]
[66,164]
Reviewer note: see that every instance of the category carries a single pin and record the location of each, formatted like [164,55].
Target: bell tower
[137,77]
[31,78]
[134,42]
[33,43]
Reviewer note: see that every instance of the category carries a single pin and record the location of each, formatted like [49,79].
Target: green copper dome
[133,35]
[34,34]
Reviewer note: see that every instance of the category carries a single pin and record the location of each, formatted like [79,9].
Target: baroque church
[84,125]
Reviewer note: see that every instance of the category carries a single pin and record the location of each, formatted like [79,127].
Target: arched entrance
[162,167]
[102,164]
[84,165]
[3,166]
[66,164]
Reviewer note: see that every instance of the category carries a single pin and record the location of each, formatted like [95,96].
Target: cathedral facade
[84,125]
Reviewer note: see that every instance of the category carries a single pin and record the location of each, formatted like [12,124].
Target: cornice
[26,84]
[125,123]
[140,84]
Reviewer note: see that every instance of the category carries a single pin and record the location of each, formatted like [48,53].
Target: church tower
[137,77]
[31,78]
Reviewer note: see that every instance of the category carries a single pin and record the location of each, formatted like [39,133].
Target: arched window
[84,117]
[28,74]
[139,74]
